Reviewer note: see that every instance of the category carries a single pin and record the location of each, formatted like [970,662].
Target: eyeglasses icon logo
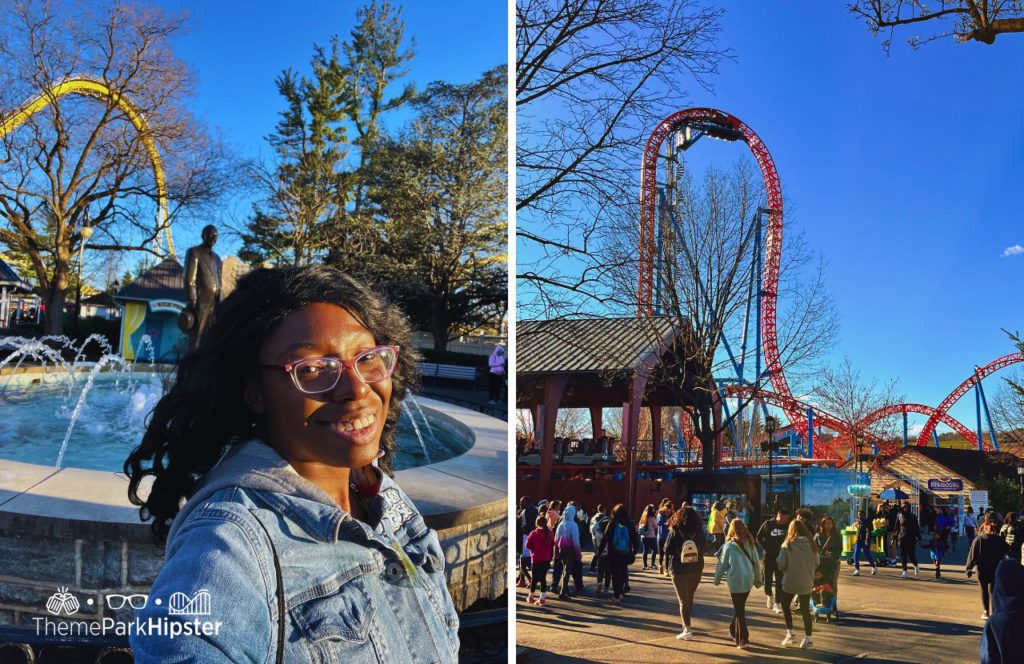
[180,604]
[118,601]
[62,602]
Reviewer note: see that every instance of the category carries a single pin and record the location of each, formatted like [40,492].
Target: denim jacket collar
[256,465]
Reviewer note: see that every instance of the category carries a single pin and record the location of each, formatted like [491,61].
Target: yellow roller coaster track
[88,87]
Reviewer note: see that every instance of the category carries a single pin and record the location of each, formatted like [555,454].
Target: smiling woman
[277,435]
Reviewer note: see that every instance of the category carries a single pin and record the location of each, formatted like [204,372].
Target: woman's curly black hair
[204,412]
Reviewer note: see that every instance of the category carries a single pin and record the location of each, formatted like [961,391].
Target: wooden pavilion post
[553,388]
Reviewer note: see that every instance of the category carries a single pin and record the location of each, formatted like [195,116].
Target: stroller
[823,598]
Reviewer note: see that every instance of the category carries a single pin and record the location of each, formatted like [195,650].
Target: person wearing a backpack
[567,548]
[770,536]
[908,532]
[541,543]
[716,524]
[619,539]
[1012,533]
[798,559]
[685,548]
[739,563]
[597,528]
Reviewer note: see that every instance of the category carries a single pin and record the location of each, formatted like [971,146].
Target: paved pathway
[883,618]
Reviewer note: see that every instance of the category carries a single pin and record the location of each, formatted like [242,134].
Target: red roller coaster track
[954,396]
[773,240]
[781,397]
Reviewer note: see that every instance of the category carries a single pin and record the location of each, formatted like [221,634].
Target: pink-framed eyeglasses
[313,375]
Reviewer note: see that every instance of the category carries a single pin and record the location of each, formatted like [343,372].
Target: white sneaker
[685,635]
[856,572]
[807,642]
[770,603]
[789,640]
[984,616]
[777,608]
[874,571]
[904,575]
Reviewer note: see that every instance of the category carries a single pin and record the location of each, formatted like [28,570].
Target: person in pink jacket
[496,372]
[541,544]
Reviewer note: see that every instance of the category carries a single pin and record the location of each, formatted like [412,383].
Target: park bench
[450,371]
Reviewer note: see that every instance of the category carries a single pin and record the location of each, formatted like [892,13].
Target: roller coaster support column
[905,441]
[935,437]
[981,402]
[977,407]
[810,433]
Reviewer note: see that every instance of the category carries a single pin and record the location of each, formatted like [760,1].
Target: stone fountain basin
[74,527]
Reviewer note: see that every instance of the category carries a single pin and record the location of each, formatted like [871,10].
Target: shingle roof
[588,345]
[10,278]
[969,465]
[165,280]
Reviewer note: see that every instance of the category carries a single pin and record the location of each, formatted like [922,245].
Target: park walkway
[883,618]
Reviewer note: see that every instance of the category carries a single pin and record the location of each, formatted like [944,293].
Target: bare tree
[80,163]
[1008,414]
[850,399]
[591,79]
[706,283]
[963,20]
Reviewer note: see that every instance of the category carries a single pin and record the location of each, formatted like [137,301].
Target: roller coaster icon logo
[180,604]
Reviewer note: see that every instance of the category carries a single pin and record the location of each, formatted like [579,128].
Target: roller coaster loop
[88,87]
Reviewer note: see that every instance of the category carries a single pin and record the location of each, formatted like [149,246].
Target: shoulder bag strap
[280,596]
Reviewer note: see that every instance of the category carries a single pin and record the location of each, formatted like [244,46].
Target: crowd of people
[793,557]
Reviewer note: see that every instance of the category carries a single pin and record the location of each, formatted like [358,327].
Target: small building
[100,305]
[151,305]
[941,477]
[17,301]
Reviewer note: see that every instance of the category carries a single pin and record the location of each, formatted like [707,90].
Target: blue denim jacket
[353,593]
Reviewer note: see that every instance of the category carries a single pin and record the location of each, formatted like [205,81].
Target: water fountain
[67,425]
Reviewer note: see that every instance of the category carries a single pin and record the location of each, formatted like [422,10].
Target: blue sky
[237,49]
[904,171]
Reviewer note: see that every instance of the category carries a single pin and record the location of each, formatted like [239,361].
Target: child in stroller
[823,596]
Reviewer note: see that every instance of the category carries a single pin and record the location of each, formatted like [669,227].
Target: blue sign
[945,485]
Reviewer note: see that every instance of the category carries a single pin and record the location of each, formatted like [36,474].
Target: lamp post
[859,438]
[770,446]
[86,233]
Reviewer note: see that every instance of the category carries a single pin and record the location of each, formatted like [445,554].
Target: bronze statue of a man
[202,285]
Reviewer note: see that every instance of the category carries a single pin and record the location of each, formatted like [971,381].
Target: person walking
[1001,641]
[908,532]
[664,514]
[496,373]
[970,525]
[716,524]
[830,546]
[937,550]
[554,513]
[1012,533]
[541,543]
[526,518]
[685,548]
[986,551]
[954,533]
[568,550]
[770,536]
[620,540]
[863,544]
[648,529]
[798,559]
[739,563]
[598,524]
